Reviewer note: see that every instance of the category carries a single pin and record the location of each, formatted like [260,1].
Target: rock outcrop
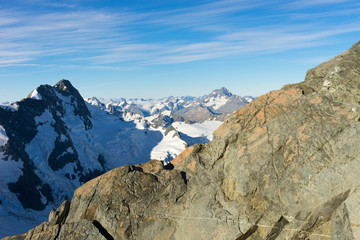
[286,166]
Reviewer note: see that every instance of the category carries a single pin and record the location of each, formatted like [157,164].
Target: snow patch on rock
[217,102]
[10,106]
[3,137]
[35,95]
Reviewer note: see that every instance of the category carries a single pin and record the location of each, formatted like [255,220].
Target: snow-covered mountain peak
[249,99]
[96,102]
[222,92]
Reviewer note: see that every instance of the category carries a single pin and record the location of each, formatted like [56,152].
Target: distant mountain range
[160,112]
[53,141]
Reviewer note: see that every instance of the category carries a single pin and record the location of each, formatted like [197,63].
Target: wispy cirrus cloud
[129,39]
[213,16]
[271,39]
[300,4]
[38,36]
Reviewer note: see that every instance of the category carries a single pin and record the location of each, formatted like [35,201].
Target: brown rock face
[286,166]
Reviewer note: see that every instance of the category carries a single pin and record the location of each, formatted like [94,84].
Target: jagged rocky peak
[65,86]
[220,92]
[284,167]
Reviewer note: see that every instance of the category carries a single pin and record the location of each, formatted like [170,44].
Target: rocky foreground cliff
[286,166]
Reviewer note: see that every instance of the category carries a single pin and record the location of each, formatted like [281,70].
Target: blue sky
[153,49]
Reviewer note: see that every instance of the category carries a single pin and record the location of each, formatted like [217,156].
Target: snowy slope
[216,103]
[198,132]
[35,95]
[169,147]
[181,135]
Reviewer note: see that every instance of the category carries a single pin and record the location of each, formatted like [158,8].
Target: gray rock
[196,113]
[59,216]
[169,129]
[339,77]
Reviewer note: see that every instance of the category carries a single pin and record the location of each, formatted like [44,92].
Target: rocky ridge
[285,166]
